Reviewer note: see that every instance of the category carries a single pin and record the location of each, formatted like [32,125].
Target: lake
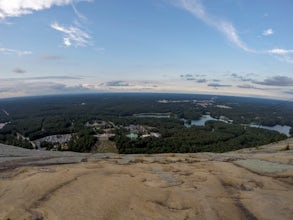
[152,115]
[201,122]
[281,129]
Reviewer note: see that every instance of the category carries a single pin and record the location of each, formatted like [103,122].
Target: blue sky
[229,47]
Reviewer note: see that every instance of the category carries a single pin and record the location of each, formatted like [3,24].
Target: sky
[223,47]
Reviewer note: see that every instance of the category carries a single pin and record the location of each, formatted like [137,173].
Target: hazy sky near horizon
[229,47]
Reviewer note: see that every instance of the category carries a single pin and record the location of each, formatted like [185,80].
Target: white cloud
[268,32]
[67,42]
[280,51]
[196,8]
[282,54]
[16,8]
[79,15]
[231,33]
[13,51]
[72,35]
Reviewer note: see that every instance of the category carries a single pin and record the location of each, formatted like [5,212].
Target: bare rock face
[247,184]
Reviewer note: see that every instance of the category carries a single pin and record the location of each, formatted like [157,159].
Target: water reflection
[285,129]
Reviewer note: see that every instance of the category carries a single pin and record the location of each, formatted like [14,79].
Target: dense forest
[25,120]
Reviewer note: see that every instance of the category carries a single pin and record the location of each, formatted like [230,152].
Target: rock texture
[247,184]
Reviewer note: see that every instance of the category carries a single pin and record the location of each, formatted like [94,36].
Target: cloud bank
[248,86]
[279,81]
[276,81]
[117,83]
[217,85]
[17,88]
[194,78]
